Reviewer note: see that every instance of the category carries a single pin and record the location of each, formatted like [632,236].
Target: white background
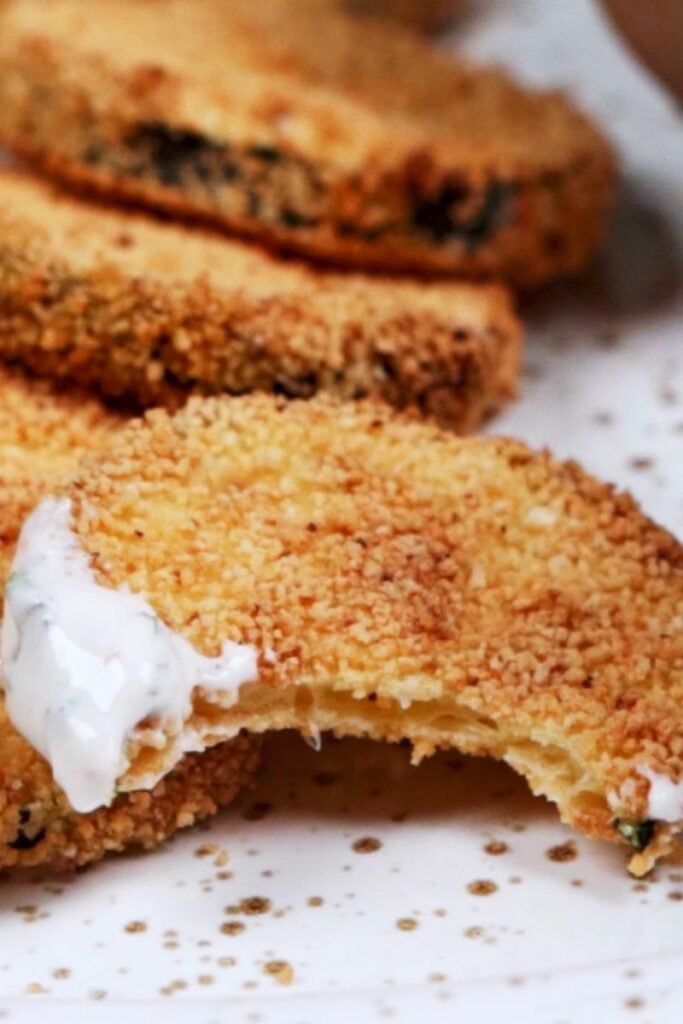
[568,942]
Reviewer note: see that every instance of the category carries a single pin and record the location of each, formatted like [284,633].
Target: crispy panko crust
[148,310]
[339,137]
[43,434]
[403,583]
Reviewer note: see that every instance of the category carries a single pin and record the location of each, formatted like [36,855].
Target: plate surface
[350,886]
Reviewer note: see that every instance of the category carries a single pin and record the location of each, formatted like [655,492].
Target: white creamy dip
[665,798]
[84,665]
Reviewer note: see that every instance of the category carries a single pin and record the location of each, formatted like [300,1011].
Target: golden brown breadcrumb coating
[339,137]
[403,583]
[43,433]
[148,310]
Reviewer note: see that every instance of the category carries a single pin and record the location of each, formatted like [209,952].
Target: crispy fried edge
[155,341]
[560,210]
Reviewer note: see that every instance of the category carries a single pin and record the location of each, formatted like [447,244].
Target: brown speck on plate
[280,970]
[496,848]
[206,850]
[250,905]
[641,463]
[482,887]
[134,927]
[368,844]
[232,927]
[406,924]
[562,853]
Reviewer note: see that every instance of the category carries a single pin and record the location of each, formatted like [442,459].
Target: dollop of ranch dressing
[84,665]
[665,798]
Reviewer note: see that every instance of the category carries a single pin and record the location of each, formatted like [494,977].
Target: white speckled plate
[360,889]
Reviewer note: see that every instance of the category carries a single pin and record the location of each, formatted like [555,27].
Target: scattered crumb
[135,926]
[368,844]
[35,989]
[250,905]
[174,986]
[482,887]
[232,927]
[474,932]
[61,972]
[406,924]
[496,848]
[563,853]
[641,462]
[207,850]
[315,901]
[280,970]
